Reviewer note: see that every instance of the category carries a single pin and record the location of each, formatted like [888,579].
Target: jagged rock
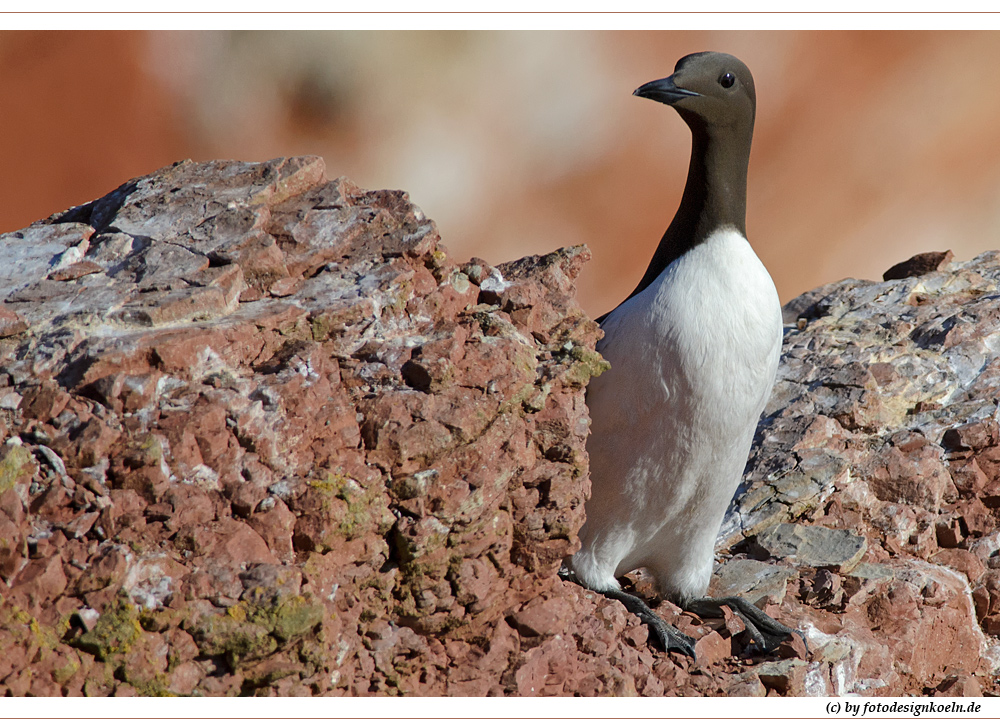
[883,426]
[246,391]
[754,580]
[262,435]
[919,264]
[813,546]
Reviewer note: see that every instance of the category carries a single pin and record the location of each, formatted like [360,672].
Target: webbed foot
[670,638]
[766,633]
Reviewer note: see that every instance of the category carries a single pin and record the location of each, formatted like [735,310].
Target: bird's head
[714,90]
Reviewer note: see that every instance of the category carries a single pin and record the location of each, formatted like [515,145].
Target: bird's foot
[670,638]
[766,633]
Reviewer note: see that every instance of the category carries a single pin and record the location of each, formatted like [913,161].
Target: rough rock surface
[261,435]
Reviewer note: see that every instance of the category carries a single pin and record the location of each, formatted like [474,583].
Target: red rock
[81,525]
[981,600]
[52,545]
[962,561]
[991,625]
[44,403]
[13,547]
[968,476]
[185,351]
[784,677]
[185,677]
[53,504]
[44,686]
[124,392]
[910,471]
[991,582]
[959,686]
[734,624]
[145,660]
[149,481]
[230,541]
[541,617]
[795,647]
[544,669]
[184,449]
[976,519]
[97,683]
[172,306]
[215,582]
[126,509]
[977,436]
[19,684]
[89,445]
[211,433]
[106,570]
[11,506]
[12,658]
[746,685]
[275,525]
[950,535]
[42,579]
[285,287]
[711,649]
[188,507]
[11,323]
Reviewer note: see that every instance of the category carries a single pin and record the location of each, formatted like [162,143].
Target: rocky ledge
[262,435]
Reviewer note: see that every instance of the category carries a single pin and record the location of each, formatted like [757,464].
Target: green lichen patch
[587,365]
[64,673]
[20,631]
[12,466]
[160,619]
[296,617]
[155,687]
[298,330]
[534,397]
[232,636]
[115,632]
[333,484]
[320,328]
[248,631]
[330,324]
[398,297]
[361,508]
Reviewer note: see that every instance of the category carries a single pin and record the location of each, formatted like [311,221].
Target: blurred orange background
[869,146]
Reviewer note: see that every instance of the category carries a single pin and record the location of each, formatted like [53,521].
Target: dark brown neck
[715,195]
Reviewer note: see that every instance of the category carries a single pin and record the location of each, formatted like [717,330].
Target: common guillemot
[694,352]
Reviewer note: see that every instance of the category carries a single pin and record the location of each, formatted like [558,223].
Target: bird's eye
[727,80]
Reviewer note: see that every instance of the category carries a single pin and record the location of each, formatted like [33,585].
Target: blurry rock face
[261,435]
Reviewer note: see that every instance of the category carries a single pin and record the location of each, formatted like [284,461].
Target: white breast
[693,359]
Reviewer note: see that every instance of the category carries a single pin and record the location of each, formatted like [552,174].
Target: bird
[694,353]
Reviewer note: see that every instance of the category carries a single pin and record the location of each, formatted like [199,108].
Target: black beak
[664,91]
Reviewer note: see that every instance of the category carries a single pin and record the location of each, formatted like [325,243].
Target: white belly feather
[693,359]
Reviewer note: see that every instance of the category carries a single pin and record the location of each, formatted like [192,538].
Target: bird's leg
[763,630]
[671,639]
